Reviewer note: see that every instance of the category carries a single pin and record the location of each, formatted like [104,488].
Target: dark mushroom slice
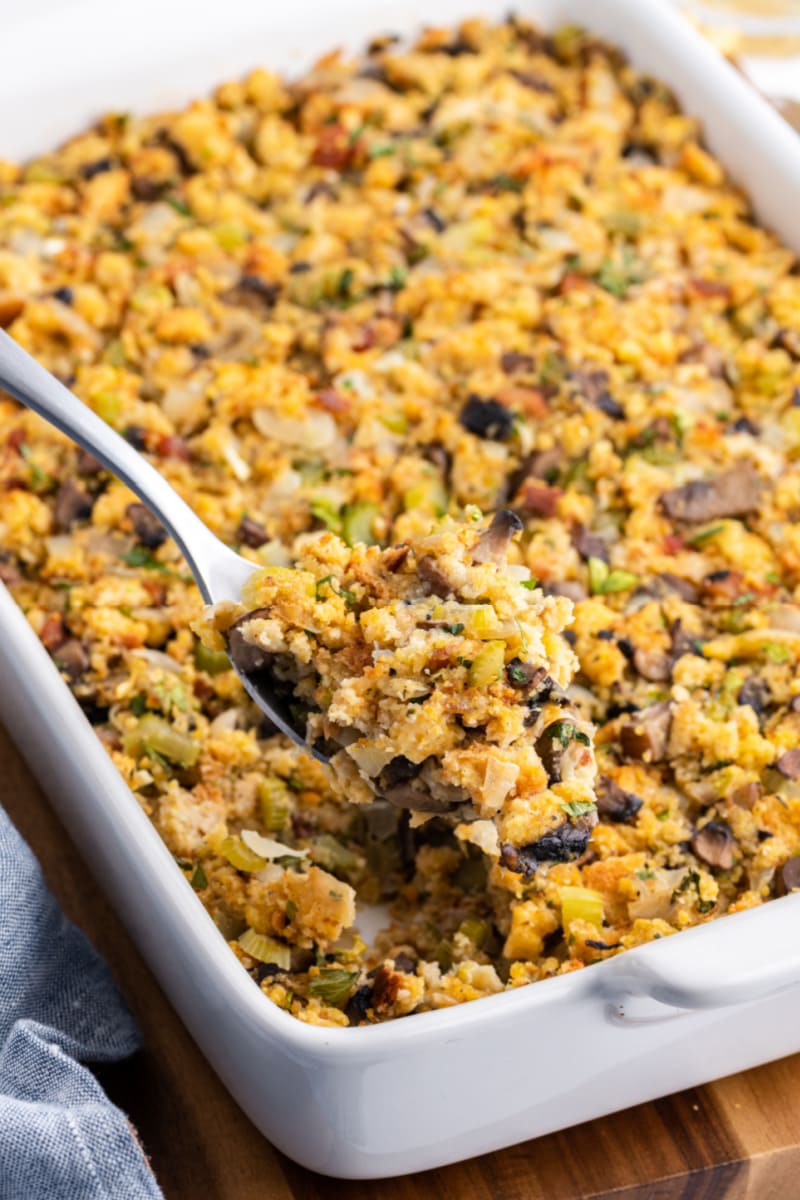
[252,533]
[564,844]
[756,694]
[644,736]
[734,493]
[148,529]
[417,787]
[72,504]
[787,877]
[492,545]
[555,745]
[652,664]
[681,587]
[714,844]
[429,570]
[244,655]
[359,1004]
[614,803]
[524,676]
[9,570]
[789,764]
[513,361]
[571,588]
[487,418]
[589,545]
[72,658]
[746,795]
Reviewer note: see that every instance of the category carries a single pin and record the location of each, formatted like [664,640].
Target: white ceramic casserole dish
[443,1085]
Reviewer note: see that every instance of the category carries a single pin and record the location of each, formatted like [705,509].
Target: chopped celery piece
[152,734]
[333,985]
[276,804]
[581,904]
[487,666]
[266,949]
[474,930]
[428,496]
[330,852]
[240,856]
[213,662]
[357,522]
[602,581]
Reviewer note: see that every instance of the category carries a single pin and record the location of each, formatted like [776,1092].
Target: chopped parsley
[199,879]
[705,535]
[579,808]
[332,582]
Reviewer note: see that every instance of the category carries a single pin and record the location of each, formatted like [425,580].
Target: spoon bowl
[219,572]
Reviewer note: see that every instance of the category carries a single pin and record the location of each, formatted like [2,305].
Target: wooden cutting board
[738,1138]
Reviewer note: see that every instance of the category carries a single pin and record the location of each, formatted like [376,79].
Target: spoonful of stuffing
[431,674]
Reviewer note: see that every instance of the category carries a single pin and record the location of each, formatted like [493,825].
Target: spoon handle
[218,570]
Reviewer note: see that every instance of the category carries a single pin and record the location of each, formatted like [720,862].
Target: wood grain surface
[738,1138]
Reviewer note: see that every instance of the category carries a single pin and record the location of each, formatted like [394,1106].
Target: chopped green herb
[645,873]
[140,556]
[179,205]
[566,732]
[40,479]
[776,652]
[705,535]
[199,879]
[380,151]
[333,985]
[332,582]
[455,629]
[397,279]
[290,910]
[530,584]
[345,283]
[579,808]
[773,577]
[616,275]
[138,705]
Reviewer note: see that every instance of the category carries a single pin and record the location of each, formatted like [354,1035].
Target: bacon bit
[202,688]
[333,148]
[672,543]
[53,633]
[172,446]
[333,401]
[538,499]
[710,288]
[440,659]
[571,281]
[365,340]
[722,587]
[15,438]
[531,400]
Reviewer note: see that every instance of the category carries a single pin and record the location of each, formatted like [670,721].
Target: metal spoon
[218,571]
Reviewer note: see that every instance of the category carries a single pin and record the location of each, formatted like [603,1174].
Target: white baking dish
[443,1085]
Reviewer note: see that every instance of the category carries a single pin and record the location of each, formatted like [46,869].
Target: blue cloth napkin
[60,1136]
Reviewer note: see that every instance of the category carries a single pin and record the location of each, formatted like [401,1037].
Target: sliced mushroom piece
[487,418]
[554,745]
[564,844]
[652,664]
[492,545]
[571,588]
[714,844]
[682,587]
[787,877]
[148,529]
[434,576]
[523,675]
[734,493]
[644,736]
[589,545]
[72,504]
[614,803]
[243,654]
[252,533]
[789,764]
[72,658]
[746,795]
[756,694]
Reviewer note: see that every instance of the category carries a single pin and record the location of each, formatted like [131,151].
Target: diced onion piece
[268,848]
[499,777]
[581,904]
[266,949]
[314,430]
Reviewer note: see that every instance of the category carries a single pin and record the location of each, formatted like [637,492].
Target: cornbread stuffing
[433,674]
[496,270]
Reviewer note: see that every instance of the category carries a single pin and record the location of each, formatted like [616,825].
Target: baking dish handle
[736,960]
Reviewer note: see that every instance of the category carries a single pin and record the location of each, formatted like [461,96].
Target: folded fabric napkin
[61,1138]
